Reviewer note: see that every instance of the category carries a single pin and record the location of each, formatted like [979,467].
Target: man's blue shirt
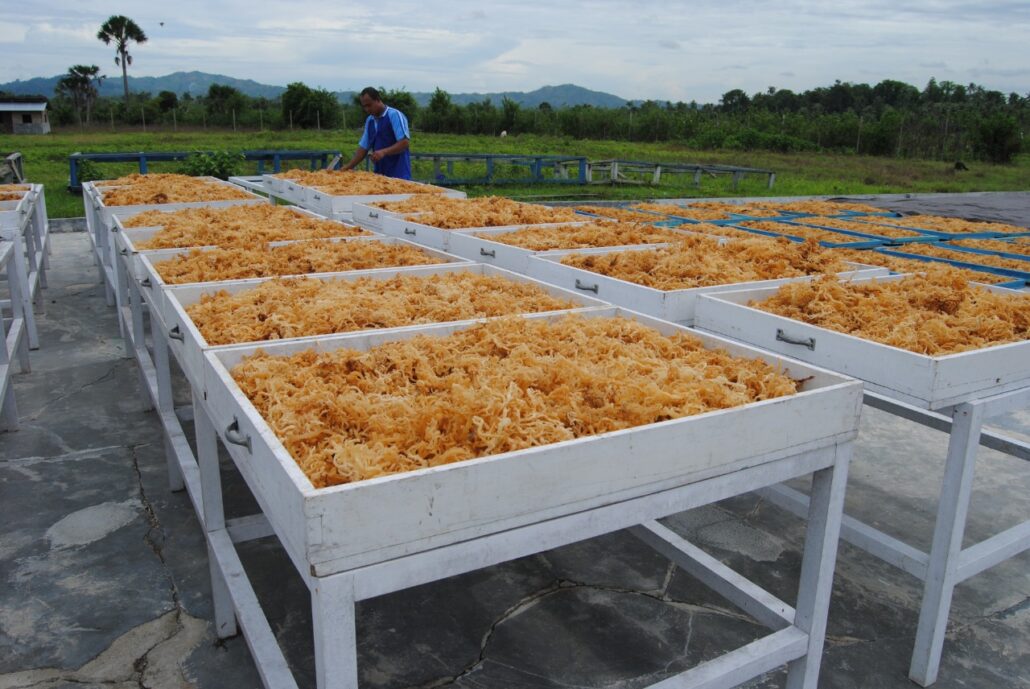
[382,132]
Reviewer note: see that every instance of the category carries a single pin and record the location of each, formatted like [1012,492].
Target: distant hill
[197,83]
[557,96]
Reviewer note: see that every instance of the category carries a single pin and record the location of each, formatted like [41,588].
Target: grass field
[46,162]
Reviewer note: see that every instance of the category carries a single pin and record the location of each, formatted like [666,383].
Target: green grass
[802,174]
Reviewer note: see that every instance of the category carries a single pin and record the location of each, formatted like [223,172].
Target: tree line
[944,120]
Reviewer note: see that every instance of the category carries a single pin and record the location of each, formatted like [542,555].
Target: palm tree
[81,85]
[121,30]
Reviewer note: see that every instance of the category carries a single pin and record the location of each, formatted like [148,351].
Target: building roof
[7,106]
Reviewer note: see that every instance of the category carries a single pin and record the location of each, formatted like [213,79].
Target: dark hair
[371,93]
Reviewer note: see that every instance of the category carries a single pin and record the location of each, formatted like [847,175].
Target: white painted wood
[872,540]
[9,344]
[252,183]
[210,473]
[243,529]
[189,351]
[997,404]
[15,340]
[397,515]
[275,487]
[928,382]
[993,551]
[752,599]
[163,398]
[988,438]
[465,556]
[156,288]
[214,516]
[128,239]
[106,213]
[369,215]
[332,616]
[319,201]
[736,667]
[477,245]
[407,227]
[15,230]
[945,553]
[264,648]
[817,565]
[671,305]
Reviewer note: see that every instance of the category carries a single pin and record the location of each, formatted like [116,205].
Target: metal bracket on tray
[784,337]
[585,287]
[233,435]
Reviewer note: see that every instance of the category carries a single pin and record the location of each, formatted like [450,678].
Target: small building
[20,116]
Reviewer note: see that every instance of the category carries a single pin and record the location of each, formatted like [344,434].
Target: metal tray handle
[803,342]
[492,253]
[145,282]
[373,214]
[176,334]
[233,435]
[409,230]
[585,287]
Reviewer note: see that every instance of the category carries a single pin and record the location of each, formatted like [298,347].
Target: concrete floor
[105,581]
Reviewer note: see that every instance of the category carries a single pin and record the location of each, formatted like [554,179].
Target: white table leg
[941,575]
[214,516]
[824,517]
[166,404]
[336,651]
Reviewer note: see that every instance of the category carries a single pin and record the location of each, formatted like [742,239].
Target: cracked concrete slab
[104,576]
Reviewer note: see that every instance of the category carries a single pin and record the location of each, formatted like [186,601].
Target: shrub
[220,164]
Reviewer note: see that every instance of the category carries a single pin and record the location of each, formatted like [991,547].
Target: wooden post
[143,116]
[291,120]
[112,119]
[234,120]
[175,121]
[261,120]
[318,120]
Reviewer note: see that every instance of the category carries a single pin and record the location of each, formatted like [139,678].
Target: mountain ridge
[197,83]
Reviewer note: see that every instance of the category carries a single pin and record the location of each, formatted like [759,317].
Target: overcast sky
[634,49]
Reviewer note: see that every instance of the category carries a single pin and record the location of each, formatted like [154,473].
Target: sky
[637,49]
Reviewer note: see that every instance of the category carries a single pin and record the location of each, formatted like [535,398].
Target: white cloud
[645,49]
[12,33]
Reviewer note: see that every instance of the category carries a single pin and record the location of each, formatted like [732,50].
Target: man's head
[371,101]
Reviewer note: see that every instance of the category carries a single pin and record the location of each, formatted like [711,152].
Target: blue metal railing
[564,169]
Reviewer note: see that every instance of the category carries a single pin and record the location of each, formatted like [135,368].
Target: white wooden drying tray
[927,382]
[154,286]
[189,345]
[332,529]
[126,238]
[672,305]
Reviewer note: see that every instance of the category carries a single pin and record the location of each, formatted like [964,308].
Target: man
[384,139]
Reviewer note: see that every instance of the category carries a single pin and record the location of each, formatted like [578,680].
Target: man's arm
[401,145]
[359,155]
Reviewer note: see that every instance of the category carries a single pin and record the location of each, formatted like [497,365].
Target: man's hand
[376,156]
